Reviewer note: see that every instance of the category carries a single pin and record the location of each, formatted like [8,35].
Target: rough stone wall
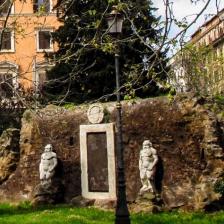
[9,152]
[56,126]
[186,135]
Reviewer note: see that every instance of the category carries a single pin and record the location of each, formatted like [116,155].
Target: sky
[182,8]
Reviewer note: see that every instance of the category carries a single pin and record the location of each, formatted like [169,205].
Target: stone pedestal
[147,202]
[48,193]
[79,201]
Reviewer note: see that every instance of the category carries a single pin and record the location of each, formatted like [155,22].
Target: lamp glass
[115,22]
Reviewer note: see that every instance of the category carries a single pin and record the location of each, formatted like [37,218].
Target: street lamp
[115,21]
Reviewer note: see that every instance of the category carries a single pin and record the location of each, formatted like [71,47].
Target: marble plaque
[97,162]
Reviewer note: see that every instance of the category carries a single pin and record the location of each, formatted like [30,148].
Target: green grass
[25,214]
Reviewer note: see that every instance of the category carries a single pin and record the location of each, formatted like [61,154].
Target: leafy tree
[84,63]
[202,68]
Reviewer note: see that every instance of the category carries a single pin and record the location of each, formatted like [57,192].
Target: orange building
[25,28]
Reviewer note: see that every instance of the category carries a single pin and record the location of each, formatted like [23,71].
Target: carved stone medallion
[95,113]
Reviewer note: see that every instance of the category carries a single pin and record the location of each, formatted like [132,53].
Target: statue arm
[41,171]
[41,164]
[140,162]
[40,167]
[55,162]
[155,159]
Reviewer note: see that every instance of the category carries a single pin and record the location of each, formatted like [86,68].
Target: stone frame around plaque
[110,142]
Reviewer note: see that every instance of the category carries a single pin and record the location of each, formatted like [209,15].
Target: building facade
[25,28]
[207,69]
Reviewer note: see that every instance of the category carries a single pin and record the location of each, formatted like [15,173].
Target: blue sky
[184,8]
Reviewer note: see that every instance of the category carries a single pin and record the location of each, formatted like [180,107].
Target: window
[41,79]
[41,6]
[39,75]
[4,6]
[8,79]
[44,42]
[7,42]
[6,85]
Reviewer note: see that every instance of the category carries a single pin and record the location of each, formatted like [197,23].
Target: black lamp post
[115,21]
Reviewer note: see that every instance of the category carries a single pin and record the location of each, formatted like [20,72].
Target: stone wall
[187,136]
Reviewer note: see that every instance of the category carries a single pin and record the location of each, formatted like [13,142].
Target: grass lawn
[25,214]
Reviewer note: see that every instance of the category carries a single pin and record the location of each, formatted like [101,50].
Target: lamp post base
[122,220]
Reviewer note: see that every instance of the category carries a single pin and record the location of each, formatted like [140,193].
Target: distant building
[25,28]
[209,34]
[178,79]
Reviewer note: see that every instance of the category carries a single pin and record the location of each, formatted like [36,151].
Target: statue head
[48,148]
[146,144]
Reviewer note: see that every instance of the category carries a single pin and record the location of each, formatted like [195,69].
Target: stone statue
[47,164]
[147,167]
[50,190]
